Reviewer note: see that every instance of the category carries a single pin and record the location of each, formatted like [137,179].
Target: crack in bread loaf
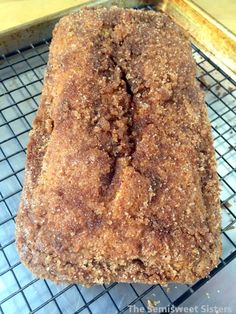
[120,181]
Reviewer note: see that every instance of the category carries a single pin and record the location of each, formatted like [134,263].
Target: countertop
[19,13]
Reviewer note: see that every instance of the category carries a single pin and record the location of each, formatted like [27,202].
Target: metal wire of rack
[21,75]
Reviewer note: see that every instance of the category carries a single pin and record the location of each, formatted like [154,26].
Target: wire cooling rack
[21,75]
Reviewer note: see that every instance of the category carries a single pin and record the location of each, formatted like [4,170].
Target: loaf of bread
[120,181]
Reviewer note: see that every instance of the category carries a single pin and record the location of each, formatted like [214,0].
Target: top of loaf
[120,179]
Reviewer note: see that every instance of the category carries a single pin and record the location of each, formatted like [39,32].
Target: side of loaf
[120,181]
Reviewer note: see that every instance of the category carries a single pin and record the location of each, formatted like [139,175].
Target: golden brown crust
[120,180]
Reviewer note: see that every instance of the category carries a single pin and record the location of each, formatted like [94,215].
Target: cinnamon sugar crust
[120,181]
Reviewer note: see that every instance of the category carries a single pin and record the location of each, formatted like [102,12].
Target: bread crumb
[151,304]
[230,227]
[227,204]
